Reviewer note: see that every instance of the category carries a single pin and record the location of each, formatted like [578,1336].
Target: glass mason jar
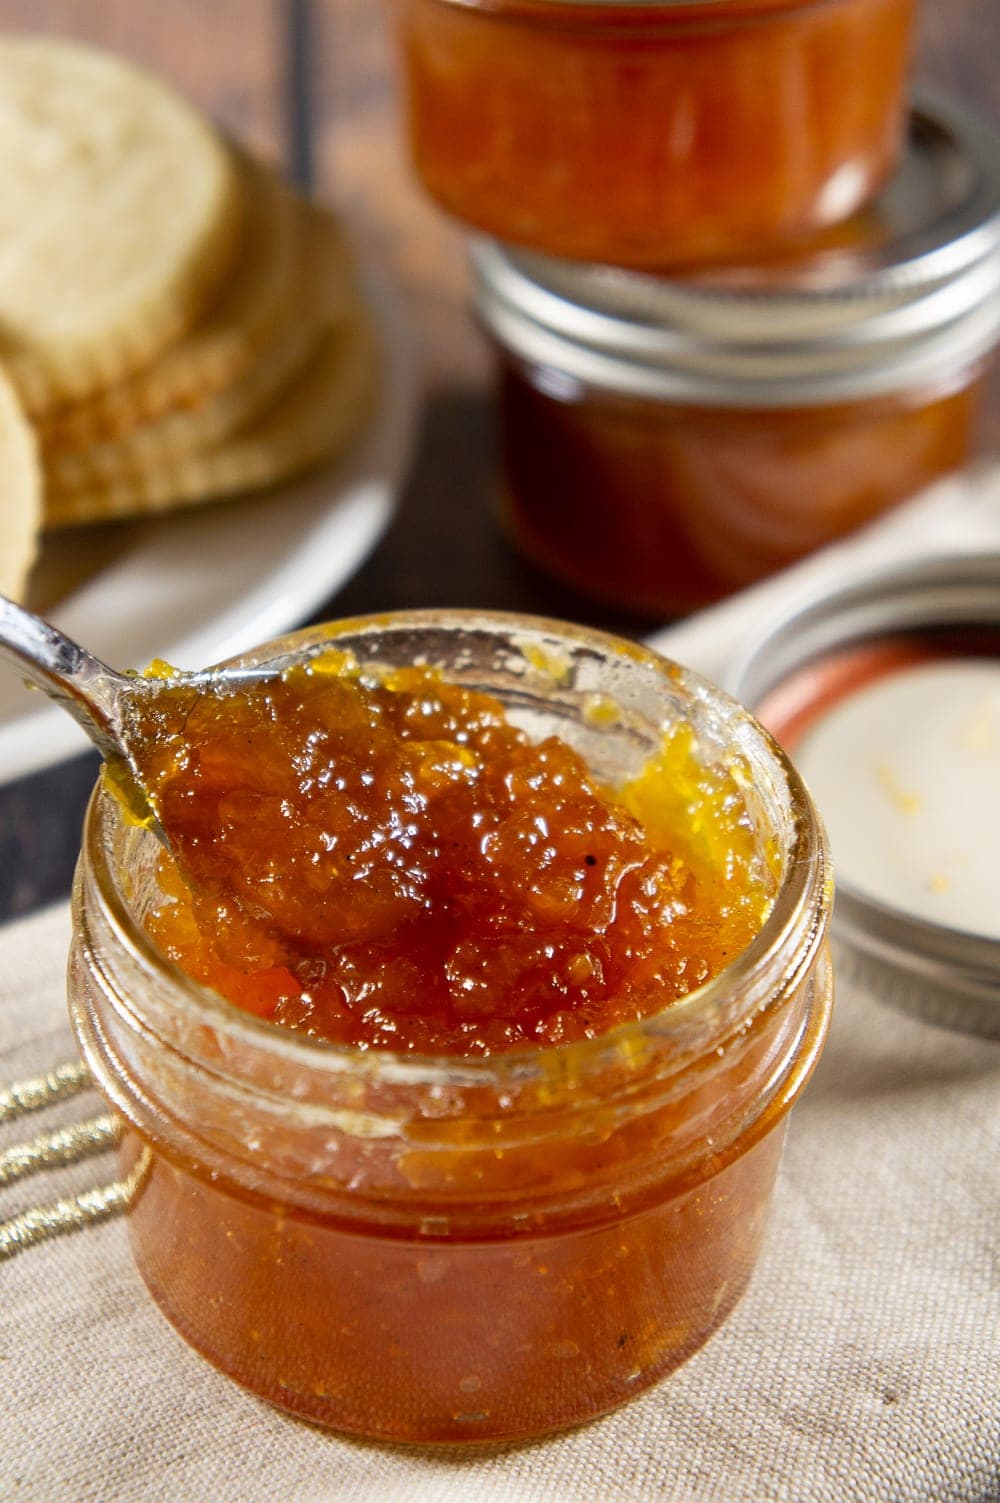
[667,441]
[654,133]
[451,1249]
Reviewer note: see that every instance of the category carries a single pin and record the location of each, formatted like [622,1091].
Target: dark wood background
[310,84]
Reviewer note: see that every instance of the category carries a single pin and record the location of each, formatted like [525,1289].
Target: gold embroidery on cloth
[43,1222]
[43,1090]
[63,1145]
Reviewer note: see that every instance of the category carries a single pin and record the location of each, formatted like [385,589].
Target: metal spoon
[98,697]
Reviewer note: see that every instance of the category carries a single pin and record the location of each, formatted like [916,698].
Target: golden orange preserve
[654,135]
[387,862]
[534,1225]
[434,1331]
[662,507]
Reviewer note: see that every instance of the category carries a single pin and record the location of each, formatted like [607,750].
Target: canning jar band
[787,381]
[624,313]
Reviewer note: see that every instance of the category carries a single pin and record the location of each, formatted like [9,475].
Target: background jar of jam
[665,442]
[458,1249]
[654,133]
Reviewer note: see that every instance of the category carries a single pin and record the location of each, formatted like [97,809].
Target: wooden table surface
[310,84]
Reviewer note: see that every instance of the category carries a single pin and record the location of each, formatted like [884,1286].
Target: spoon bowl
[97,696]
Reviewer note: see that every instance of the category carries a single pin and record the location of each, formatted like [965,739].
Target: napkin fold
[862,1366]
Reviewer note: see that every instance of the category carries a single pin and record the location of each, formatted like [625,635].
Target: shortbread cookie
[311,421]
[324,292]
[119,210]
[164,444]
[238,323]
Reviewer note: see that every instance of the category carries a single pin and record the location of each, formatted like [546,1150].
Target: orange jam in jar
[525,931]
[385,861]
[661,508]
[653,134]
[665,442]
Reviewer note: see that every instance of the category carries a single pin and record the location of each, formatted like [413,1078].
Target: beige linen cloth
[863,1365]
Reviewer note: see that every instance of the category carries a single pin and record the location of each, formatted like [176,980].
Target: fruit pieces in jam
[385,861]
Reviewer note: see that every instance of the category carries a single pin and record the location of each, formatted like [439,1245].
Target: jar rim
[800,907]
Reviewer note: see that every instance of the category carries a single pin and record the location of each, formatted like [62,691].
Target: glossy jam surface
[654,136]
[662,508]
[387,862]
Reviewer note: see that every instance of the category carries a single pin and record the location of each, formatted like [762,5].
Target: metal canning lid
[849,653]
[907,291]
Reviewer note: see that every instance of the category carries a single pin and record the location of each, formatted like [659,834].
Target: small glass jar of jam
[654,133]
[452,1248]
[666,442]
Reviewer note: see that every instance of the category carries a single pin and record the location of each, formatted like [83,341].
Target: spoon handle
[81,683]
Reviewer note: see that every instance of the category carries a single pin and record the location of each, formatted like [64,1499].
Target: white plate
[201,585]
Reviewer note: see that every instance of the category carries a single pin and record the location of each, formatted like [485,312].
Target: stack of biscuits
[176,324]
